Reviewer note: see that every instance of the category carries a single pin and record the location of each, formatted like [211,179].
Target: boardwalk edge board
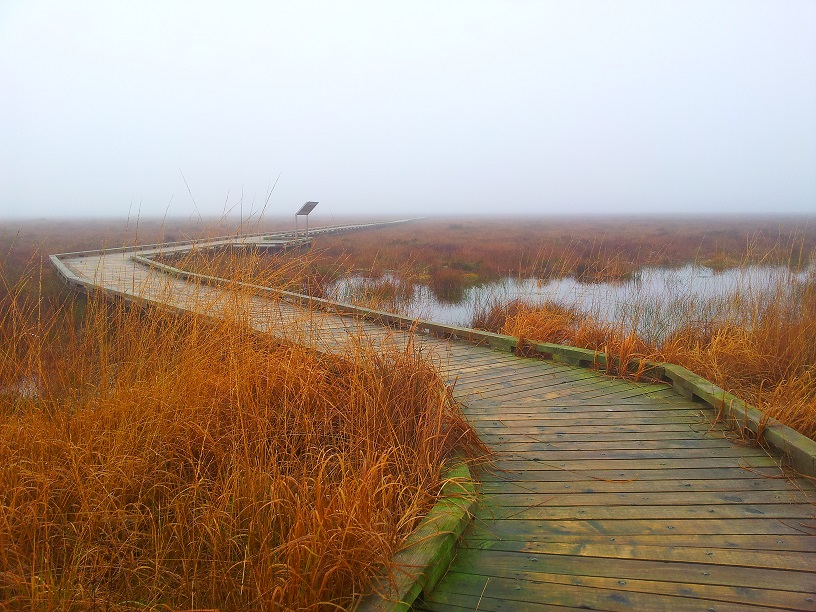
[71,279]
[476,336]
[429,549]
[239,240]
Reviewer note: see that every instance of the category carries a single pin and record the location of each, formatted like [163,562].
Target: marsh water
[649,301]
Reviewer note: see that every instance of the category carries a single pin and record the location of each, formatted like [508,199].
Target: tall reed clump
[761,346]
[158,460]
[757,343]
[289,271]
[306,273]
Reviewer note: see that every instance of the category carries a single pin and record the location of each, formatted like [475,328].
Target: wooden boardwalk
[612,495]
[605,494]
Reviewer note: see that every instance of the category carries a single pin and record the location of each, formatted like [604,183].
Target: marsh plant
[150,459]
[756,340]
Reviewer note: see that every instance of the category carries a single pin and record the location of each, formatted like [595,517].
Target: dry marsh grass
[758,344]
[302,272]
[164,461]
[150,460]
[451,254]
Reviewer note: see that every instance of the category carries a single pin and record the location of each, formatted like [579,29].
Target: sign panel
[306,208]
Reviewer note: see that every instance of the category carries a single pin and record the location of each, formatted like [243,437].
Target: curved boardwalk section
[604,494]
[613,495]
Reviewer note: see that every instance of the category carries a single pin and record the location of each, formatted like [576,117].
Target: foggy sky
[407,107]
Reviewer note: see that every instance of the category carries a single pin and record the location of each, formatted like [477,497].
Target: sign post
[304,212]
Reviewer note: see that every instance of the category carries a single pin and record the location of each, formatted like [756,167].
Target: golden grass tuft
[761,347]
[163,461]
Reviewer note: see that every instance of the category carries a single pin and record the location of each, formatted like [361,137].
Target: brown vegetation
[162,461]
[760,346]
[757,345]
[151,460]
[26,244]
[451,254]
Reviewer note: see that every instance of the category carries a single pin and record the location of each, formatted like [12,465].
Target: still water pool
[653,296]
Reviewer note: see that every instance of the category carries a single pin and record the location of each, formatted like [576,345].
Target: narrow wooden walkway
[613,495]
[605,494]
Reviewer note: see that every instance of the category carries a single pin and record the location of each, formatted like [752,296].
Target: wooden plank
[531,589]
[448,602]
[508,442]
[525,405]
[510,564]
[593,420]
[528,532]
[742,557]
[533,390]
[501,385]
[484,361]
[462,353]
[565,393]
[570,404]
[537,451]
[495,484]
[564,376]
[492,370]
[476,409]
[490,526]
[493,510]
[661,393]
[621,391]
[619,394]
[564,435]
[466,348]
[563,474]
[512,463]
[548,416]
[601,429]
[665,498]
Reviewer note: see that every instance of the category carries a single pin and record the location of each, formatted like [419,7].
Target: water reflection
[659,293]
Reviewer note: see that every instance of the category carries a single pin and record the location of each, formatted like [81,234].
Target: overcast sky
[407,107]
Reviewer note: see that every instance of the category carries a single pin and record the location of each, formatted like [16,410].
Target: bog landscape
[376,306]
[243,424]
